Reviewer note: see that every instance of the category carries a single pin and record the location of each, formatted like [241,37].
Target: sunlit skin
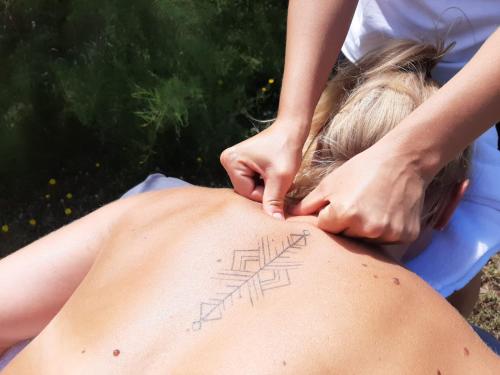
[315,33]
[353,199]
[159,259]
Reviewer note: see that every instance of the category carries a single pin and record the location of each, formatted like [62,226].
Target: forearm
[455,116]
[315,33]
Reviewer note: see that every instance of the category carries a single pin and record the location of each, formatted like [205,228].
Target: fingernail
[278,215]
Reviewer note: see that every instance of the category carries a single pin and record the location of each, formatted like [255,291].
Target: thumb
[273,199]
[331,221]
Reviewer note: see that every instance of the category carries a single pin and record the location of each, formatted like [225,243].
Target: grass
[486,313]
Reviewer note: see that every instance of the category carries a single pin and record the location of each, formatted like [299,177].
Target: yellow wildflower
[68,211]
[264,89]
[52,181]
[32,222]
[271,81]
[97,165]
[5,228]
[69,196]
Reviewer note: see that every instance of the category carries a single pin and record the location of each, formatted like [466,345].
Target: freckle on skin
[219,260]
[364,264]
[116,352]
[396,281]
[439,373]
[83,351]
[284,363]
[375,276]
[466,352]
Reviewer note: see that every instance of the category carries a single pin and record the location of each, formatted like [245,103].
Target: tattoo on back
[252,274]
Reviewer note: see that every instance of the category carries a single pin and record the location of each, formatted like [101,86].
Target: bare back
[200,281]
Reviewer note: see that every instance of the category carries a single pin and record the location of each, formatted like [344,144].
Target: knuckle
[391,237]
[340,207]
[224,154]
[413,231]
[397,229]
[227,155]
[281,173]
[374,230]
[413,234]
[324,215]
[393,233]
[326,224]
[275,203]
[350,212]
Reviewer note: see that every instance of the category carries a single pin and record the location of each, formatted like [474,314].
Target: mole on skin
[439,372]
[375,276]
[116,352]
[466,352]
[364,264]
[396,281]
[284,363]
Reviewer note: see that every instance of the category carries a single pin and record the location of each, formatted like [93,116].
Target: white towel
[472,237]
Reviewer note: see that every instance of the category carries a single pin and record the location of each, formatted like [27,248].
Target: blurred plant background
[96,95]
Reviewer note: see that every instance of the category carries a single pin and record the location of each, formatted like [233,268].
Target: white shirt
[468,23]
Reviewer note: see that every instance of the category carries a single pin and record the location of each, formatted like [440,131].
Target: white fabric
[458,253]
[153,182]
[466,22]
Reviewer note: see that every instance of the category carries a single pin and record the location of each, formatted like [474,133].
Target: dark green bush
[140,83]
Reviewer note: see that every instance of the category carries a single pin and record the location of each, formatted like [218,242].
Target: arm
[407,158]
[315,32]
[38,279]
[462,110]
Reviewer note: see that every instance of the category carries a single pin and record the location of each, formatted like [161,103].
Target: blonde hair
[362,103]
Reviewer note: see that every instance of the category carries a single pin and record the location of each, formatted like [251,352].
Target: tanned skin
[202,281]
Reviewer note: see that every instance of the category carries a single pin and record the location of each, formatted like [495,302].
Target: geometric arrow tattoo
[253,272]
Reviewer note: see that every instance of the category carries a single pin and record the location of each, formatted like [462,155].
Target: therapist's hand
[273,157]
[377,195]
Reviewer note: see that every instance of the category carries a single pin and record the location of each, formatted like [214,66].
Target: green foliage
[139,82]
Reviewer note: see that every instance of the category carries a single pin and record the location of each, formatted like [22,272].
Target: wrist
[422,158]
[295,129]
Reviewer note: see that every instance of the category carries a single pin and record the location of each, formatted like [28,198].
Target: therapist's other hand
[273,157]
[377,195]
